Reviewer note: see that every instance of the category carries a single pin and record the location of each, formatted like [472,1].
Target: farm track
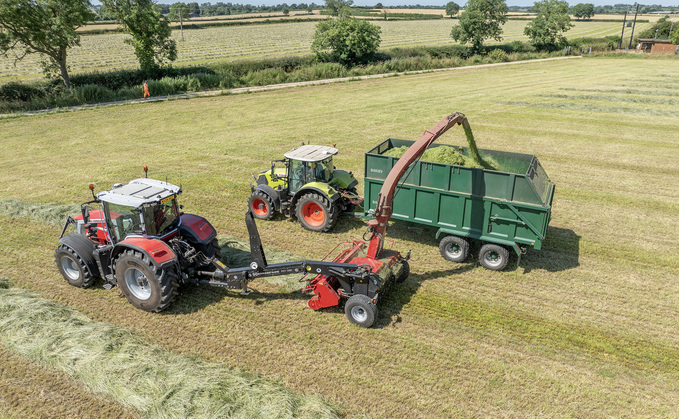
[255,89]
[585,327]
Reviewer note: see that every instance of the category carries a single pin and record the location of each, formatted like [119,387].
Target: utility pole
[622,34]
[633,26]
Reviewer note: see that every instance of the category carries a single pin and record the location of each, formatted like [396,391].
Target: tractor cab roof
[139,192]
[311,153]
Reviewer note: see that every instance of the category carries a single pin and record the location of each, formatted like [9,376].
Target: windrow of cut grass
[141,377]
[453,340]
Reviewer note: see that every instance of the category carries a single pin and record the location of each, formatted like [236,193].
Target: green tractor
[308,186]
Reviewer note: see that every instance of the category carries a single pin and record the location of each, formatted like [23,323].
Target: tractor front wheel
[261,205]
[360,310]
[454,249]
[316,212]
[145,286]
[493,257]
[72,267]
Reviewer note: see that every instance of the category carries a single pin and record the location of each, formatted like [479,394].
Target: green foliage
[345,40]
[583,10]
[178,11]
[481,20]
[5,283]
[339,7]
[661,29]
[546,30]
[19,91]
[498,55]
[452,8]
[149,29]
[47,27]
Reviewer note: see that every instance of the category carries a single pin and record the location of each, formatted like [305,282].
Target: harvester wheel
[262,205]
[145,286]
[316,212]
[493,257]
[360,310]
[402,274]
[454,249]
[72,267]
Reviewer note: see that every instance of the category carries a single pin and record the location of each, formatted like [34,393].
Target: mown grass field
[586,327]
[109,52]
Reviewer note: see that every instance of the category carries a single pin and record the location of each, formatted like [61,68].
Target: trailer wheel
[404,272]
[316,212]
[454,248]
[262,205]
[493,257]
[72,267]
[145,286]
[360,310]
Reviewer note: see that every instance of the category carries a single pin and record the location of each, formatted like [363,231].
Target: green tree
[179,12]
[339,7]
[346,40]
[46,27]
[286,11]
[661,29]
[481,20]
[149,29]
[583,10]
[452,8]
[546,30]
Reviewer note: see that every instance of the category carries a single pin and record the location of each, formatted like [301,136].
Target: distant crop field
[109,52]
[585,327]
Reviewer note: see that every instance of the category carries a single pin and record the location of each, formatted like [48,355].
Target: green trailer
[492,210]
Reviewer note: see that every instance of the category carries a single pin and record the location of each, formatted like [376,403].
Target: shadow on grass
[560,251]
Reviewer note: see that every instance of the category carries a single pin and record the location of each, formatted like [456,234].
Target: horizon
[439,3]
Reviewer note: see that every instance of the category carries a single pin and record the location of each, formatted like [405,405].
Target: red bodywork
[155,248]
[199,225]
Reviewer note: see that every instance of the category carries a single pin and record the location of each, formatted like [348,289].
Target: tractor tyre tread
[164,281]
[85,279]
[270,209]
[330,208]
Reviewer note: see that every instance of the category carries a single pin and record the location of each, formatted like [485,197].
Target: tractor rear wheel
[72,267]
[493,257]
[454,249]
[360,310]
[316,212]
[261,205]
[145,286]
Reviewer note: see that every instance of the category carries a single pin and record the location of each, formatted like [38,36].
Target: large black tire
[454,249]
[72,267]
[213,249]
[403,272]
[360,310]
[493,257]
[261,205]
[316,212]
[145,286]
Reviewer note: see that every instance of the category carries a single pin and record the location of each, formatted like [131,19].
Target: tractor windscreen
[124,220]
[160,219]
[322,171]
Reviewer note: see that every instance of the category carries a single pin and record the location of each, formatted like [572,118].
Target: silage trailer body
[510,208]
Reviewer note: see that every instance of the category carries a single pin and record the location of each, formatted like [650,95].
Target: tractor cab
[143,207]
[309,163]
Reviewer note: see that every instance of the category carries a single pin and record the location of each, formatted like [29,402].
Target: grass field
[586,327]
[108,51]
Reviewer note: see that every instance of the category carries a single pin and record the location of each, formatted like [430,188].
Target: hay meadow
[585,327]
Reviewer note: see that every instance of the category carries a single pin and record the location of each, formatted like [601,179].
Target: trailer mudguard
[273,194]
[196,229]
[84,247]
[156,250]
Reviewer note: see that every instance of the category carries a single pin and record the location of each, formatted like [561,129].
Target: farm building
[657,46]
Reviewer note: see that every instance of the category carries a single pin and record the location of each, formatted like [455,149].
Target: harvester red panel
[199,225]
[157,249]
